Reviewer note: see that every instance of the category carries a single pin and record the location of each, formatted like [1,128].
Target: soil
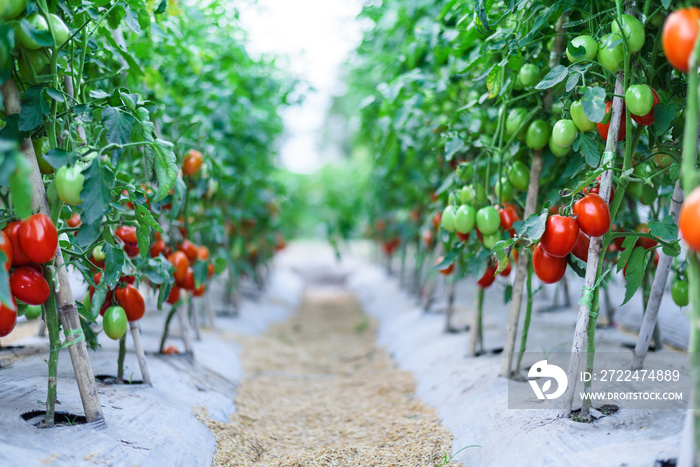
[317,391]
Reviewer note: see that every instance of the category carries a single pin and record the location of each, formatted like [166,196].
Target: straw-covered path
[318,391]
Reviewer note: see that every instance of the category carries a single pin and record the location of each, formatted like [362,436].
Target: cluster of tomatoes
[183,258]
[27,245]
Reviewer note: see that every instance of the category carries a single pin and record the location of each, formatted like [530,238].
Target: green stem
[528,316]
[479,319]
[169,318]
[120,359]
[590,351]
[53,328]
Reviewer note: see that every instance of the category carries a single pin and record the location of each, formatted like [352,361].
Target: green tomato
[98,254]
[639,99]
[515,62]
[33,312]
[564,133]
[608,56]
[466,194]
[12,9]
[558,151]
[588,43]
[25,39]
[41,147]
[635,189]
[69,184]
[34,66]
[465,219]
[488,220]
[679,292]
[114,322]
[504,189]
[557,108]
[465,171]
[537,134]
[518,84]
[634,32]
[529,75]
[451,200]
[481,197]
[51,193]
[448,219]
[60,30]
[581,120]
[516,118]
[519,175]
[490,240]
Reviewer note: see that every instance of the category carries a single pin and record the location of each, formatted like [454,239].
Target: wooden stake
[185,329]
[140,355]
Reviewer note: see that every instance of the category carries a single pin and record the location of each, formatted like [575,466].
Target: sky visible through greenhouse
[314,38]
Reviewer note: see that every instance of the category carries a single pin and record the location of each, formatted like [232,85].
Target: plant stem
[171,313]
[120,359]
[528,316]
[53,326]
[590,354]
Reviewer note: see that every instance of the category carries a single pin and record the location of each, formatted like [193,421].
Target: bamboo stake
[185,329]
[530,206]
[68,312]
[140,355]
[450,302]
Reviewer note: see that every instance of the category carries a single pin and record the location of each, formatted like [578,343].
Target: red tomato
[593,215]
[127,279]
[174,295]
[437,220]
[203,253]
[6,247]
[109,298]
[488,278]
[192,163]
[38,238]
[644,242]
[210,270]
[8,318]
[689,220]
[18,256]
[74,220]
[157,248]
[131,250]
[549,269]
[198,292]
[603,127]
[179,260]
[648,119]
[560,235]
[679,35]
[127,234]
[171,350]
[131,300]
[190,249]
[462,237]
[507,270]
[188,283]
[29,286]
[508,216]
[596,189]
[446,270]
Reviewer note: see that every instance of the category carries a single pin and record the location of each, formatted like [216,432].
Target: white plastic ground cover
[472,399]
[145,426]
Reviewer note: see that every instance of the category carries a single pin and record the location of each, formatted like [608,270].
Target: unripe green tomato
[537,134]
[465,219]
[518,84]
[564,133]
[558,151]
[491,239]
[519,175]
[12,9]
[51,193]
[588,43]
[581,120]
[515,62]
[41,147]
[481,197]
[33,312]
[656,20]
[662,160]
[488,220]
[448,219]
[27,41]
[504,189]
[608,56]
[60,30]
[679,292]
[465,171]
[114,322]
[98,254]
[34,65]
[634,32]
[466,194]
[639,99]
[635,189]
[69,184]
[451,199]
[515,119]
[557,108]
[529,75]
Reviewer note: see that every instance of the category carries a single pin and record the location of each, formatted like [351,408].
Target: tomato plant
[114,322]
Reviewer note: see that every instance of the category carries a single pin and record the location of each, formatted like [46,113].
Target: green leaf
[34,107]
[55,95]
[534,226]
[114,262]
[165,167]
[118,125]
[635,272]
[627,248]
[43,38]
[161,7]
[493,81]
[663,116]
[507,294]
[57,157]
[666,230]
[587,145]
[593,102]
[453,144]
[96,192]
[201,271]
[20,187]
[578,266]
[132,20]
[146,223]
[555,76]
[572,81]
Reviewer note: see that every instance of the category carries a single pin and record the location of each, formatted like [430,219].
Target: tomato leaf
[43,38]
[453,144]
[20,187]
[165,167]
[57,157]
[534,226]
[118,125]
[555,76]
[201,271]
[572,81]
[663,116]
[158,270]
[500,249]
[143,231]
[666,230]
[507,294]
[635,272]
[114,261]
[132,20]
[96,191]
[577,265]
[593,101]
[493,81]
[34,107]
[587,145]
[627,248]
[161,7]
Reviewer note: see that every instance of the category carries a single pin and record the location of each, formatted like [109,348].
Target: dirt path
[318,392]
